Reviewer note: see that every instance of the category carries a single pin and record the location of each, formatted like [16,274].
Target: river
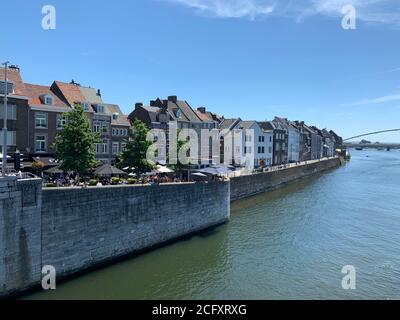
[291,243]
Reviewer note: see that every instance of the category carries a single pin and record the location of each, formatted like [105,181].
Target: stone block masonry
[246,186]
[20,233]
[76,229]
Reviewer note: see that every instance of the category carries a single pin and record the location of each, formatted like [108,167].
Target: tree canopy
[75,144]
[136,148]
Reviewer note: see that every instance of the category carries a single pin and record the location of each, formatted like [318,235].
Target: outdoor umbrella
[162,169]
[108,170]
[54,170]
[217,170]
[199,174]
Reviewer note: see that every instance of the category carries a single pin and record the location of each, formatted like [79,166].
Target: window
[48,100]
[41,120]
[99,109]
[11,138]
[115,147]
[101,148]
[123,146]
[85,106]
[104,128]
[11,111]
[60,121]
[115,116]
[113,132]
[96,128]
[40,143]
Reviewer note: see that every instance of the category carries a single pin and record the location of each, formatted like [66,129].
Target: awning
[108,170]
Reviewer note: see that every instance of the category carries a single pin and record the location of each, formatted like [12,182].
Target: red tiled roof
[71,92]
[34,91]
[14,76]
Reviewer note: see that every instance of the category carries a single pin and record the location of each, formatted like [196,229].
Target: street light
[4,163]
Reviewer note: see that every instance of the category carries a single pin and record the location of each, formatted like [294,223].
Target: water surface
[288,244]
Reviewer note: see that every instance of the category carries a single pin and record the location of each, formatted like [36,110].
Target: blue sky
[249,58]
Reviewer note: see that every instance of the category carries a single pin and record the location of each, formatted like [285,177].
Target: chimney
[99,92]
[138,105]
[173,99]
[14,67]
[201,109]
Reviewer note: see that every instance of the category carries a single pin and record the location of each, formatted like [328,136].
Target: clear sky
[252,59]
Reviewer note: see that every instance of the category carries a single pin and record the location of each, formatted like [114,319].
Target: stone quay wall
[250,185]
[76,229]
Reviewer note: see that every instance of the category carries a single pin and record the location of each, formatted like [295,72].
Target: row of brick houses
[35,116]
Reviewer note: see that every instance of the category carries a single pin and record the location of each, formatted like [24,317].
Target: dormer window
[48,99]
[178,113]
[99,108]
[10,87]
[115,116]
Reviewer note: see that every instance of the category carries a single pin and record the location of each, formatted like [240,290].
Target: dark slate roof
[246,124]
[228,123]
[266,125]
[186,110]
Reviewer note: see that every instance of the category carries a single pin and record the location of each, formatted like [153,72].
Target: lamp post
[4,163]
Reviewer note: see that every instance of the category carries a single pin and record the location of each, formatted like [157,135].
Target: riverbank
[290,243]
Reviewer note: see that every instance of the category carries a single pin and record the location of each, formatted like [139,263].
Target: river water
[288,244]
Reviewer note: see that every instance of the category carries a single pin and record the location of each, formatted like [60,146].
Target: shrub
[115,180]
[131,181]
[93,182]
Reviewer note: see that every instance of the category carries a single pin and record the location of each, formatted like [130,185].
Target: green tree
[75,143]
[136,149]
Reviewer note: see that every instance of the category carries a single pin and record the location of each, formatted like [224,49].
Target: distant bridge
[370,134]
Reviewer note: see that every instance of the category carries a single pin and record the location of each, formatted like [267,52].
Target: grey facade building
[163,113]
[280,141]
